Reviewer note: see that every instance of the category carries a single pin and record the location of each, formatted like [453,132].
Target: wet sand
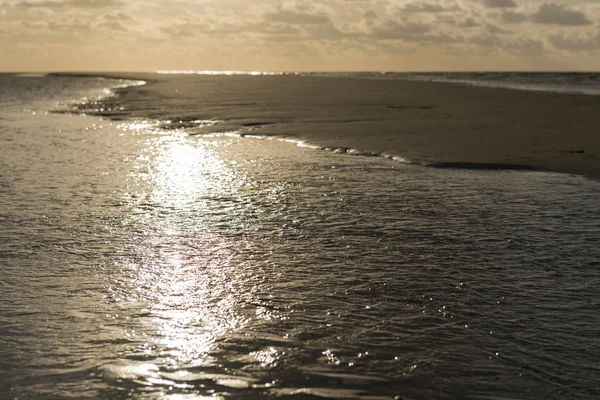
[447,125]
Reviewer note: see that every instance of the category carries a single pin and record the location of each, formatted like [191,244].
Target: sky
[299,35]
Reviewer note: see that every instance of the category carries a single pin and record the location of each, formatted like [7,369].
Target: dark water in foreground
[142,263]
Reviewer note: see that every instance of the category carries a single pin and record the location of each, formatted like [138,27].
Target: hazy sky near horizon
[284,35]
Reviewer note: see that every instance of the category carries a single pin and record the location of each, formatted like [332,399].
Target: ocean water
[587,83]
[142,262]
[560,82]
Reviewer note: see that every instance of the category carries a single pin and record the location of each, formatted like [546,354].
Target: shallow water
[146,263]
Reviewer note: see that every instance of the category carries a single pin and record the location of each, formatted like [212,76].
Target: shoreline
[438,124]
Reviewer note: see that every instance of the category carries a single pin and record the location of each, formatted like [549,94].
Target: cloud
[430,8]
[69,26]
[495,29]
[118,17]
[301,23]
[69,4]
[517,45]
[578,43]
[411,32]
[558,14]
[370,15]
[297,18]
[468,23]
[113,26]
[395,30]
[512,17]
[500,3]
[94,3]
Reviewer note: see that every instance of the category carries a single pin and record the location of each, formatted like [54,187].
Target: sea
[139,262]
[559,82]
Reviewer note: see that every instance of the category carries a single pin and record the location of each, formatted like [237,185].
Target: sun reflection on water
[183,172]
[181,269]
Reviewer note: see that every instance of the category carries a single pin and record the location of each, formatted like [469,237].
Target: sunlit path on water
[184,274]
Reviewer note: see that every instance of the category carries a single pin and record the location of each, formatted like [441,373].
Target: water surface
[139,262]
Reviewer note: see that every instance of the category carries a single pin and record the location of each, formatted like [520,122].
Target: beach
[430,123]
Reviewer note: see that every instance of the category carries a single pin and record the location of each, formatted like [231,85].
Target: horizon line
[286,72]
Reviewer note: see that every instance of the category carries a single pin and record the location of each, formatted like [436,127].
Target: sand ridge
[444,124]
